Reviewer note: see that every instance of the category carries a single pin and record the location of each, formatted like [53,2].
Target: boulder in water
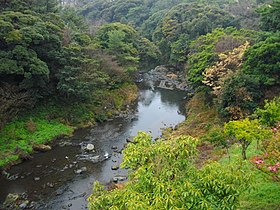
[90,147]
[36,178]
[81,170]
[41,147]
[130,140]
[114,147]
[106,155]
[115,167]
[119,178]
[24,205]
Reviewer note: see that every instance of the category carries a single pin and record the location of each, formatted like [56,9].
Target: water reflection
[158,109]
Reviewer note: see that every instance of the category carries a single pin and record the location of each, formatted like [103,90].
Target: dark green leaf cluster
[258,75]
[51,54]
[125,43]
[26,42]
[270,16]
[186,22]
[173,24]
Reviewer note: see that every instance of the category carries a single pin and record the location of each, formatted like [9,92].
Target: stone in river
[106,155]
[119,178]
[24,205]
[130,139]
[51,185]
[115,167]
[90,147]
[114,147]
[41,147]
[36,178]
[81,170]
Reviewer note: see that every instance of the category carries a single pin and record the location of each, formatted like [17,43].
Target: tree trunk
[228,154]
[244,152]
[244,145]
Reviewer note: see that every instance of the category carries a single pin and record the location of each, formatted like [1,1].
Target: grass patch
[202,118]
[264,193]
[18,136]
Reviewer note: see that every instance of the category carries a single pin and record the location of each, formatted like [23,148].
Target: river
[62,178]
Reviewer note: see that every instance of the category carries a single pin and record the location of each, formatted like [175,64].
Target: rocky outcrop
[166,77]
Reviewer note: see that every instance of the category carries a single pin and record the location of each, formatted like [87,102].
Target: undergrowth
[204,123]
[53,119]
[17,138]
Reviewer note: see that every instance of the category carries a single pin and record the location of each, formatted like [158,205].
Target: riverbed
[62,178]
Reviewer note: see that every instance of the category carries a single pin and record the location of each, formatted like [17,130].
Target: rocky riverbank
[166,77]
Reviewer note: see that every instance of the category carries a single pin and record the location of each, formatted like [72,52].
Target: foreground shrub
[165,177]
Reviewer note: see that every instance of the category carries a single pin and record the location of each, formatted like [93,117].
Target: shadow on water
[62,178]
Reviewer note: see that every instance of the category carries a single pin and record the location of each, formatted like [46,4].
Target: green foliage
[80,74]
[148,52]
[246,131]
[240,96]
[270,16]
[238,91]
[120,40]
[20,56]
[216,136]
[204,51]
[173,24]
[258,74]
[264,192]
[132,12]
[124,42]
[186,22]
[165,178]
[270,114]
[263,61]
[17,138]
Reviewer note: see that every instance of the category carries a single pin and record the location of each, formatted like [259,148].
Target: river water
[53,179]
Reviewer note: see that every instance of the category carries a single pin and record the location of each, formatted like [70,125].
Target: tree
[270,114]
[124,42]
[119,40]
[242,91]
[263,61]
[185,22]
[270,16]
[13,100]
[205,50]
[228,64]
[246,131]
[164,177]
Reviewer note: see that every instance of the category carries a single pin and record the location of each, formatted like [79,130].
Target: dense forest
[62,62]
